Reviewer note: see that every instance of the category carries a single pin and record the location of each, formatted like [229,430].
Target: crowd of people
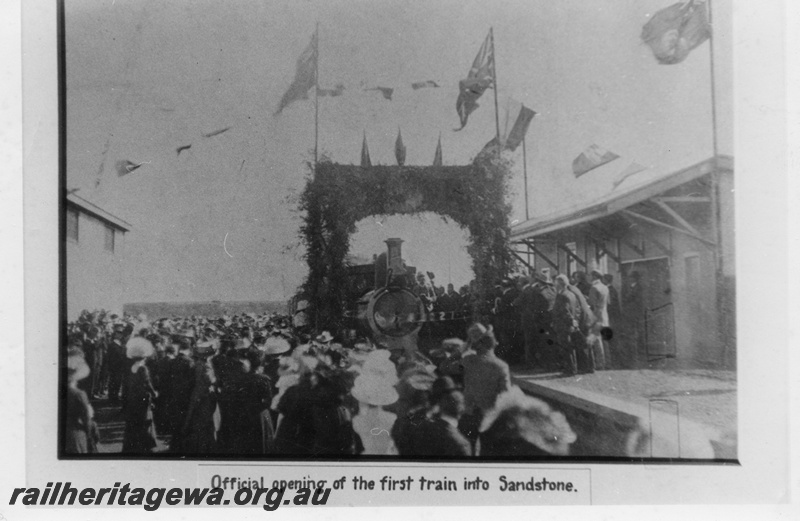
[565,323]
[547,321]
[254,385]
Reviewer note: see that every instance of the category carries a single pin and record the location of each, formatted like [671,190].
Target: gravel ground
[702,395]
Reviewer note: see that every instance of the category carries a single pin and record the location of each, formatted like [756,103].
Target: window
[72,224]
[109,239]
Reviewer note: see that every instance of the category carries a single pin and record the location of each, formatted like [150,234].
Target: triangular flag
[305,76]
[126,167]
[491,148]
[424,84]
[437,157]
[520,128]
[479,78]
[217,132]
[365,160]
[400,149]
[385,91]
[590,159]
[633,168]
[674,31]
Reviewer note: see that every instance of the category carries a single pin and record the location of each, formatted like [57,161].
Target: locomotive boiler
[391,314]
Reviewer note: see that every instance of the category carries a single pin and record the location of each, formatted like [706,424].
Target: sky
[220,221]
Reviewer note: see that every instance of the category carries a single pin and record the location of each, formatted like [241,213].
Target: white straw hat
[138,347]
[373,391]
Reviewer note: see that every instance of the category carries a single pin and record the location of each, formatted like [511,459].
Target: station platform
[643,413]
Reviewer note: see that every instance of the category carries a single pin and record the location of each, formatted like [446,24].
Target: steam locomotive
[384,303]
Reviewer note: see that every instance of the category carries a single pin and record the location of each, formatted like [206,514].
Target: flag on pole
[520,128]
[590,159]
[305,76]
[126,167]
[479,78]
[673,32]
[633,168]
[365,160]
[437,157]
[400,149]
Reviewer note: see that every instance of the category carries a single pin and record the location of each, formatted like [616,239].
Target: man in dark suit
[181,375]
[117,363]
[534,305]
[443,434]
[565,323]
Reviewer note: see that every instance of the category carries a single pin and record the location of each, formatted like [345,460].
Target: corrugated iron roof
[96,211]
[617,200]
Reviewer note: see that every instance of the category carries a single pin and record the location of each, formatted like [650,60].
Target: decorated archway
[337,196]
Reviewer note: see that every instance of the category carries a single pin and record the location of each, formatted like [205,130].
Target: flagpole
[713,81]
[714,181]
[715,210]
[316,101]
[494,81]
[525,175]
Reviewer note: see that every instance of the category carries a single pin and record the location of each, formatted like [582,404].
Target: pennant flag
[674,31]
[520,128]
[479,78]
[305,76]
[424,84]
[365,160]
[336,91]
[400,149]
[217,132]
[126,167]
[491,148]
[633,168]
[102,163]
[386,91]
[437,157]
[590,159]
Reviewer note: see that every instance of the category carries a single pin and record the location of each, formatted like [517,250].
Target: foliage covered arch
[338,196]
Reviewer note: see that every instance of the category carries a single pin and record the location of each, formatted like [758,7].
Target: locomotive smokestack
[395,256]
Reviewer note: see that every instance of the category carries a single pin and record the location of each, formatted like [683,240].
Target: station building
[674,233]
[95,248]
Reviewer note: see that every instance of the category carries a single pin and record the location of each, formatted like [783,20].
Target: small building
[95,244]
[669,243]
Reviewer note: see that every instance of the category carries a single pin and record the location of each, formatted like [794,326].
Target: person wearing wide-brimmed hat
[441,433]
[485,378]
[332,419]
[249,395]
[523,426]
[79,428]
[140,433]
[374,389]
[181,379]
[162,381]
[117,362]
[414,389]
[199,429]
